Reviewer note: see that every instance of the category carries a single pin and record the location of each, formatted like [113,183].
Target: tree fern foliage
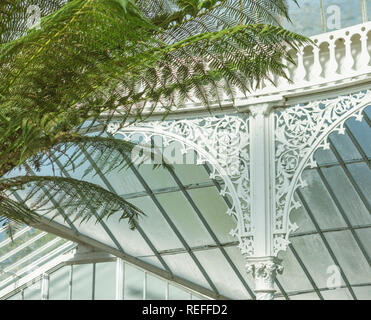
[90,57]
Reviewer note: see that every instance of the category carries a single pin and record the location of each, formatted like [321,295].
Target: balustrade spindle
[300,72]
[332,64]
[348,60]
[316,69]
[365,56]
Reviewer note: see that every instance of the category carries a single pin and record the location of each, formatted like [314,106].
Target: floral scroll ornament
[300,130]
[223,142]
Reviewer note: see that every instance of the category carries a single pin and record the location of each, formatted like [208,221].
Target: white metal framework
[269,196]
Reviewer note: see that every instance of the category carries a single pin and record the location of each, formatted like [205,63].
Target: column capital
[260,105]
[264,271]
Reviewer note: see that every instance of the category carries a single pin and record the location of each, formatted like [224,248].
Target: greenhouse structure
[269,196]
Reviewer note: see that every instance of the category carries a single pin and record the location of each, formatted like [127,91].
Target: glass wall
[97,281]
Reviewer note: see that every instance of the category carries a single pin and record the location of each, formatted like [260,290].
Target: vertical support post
[93,282]
[145,285]
[120,278]
[262,264]
[70,283]
[261,178]
[45,287]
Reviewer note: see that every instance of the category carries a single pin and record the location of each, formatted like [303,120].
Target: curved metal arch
[324,117]
[220,141]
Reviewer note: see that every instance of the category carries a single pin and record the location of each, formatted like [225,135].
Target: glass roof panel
[301,218]
[152,260]
[214,208]
[293,277]
[305,296]
[315,257]
[185,219]
[362,132]
[324,157]
[337,294]
[344,146]
[94,230]
[130,240]
[240,263]
[350,256]
[124,181]
[191,173]
[183,266]
[221,273]
[365,236]
[153,224]
[158,178]
[346,194]
[364,292]
[320,202]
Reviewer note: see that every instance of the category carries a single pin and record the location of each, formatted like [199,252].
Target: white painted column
[120,279]
[262,173]
[45,286]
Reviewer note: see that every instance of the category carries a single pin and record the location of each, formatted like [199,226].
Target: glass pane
[215,212]
[345,147]
[349,256]
[337,294]
[158,178]
[183,266]
[305,296]
[324,157]
[17,296]
[240,263]
[346,193]
[155,226]
[59,284]
[363,293]
[191,173]
[133,283]
[362,133]
[156,288]
[130,240]
[185,219]
[315,257]
[302,220]
[176,293]
[105,281]
[293,278]
[82,282]
[222,274]
[365,236]
[320,202]
[33,291]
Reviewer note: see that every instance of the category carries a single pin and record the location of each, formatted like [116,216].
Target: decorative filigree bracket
[223,142]
[300,130]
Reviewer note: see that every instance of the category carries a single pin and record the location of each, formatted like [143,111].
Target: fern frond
[77,198]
